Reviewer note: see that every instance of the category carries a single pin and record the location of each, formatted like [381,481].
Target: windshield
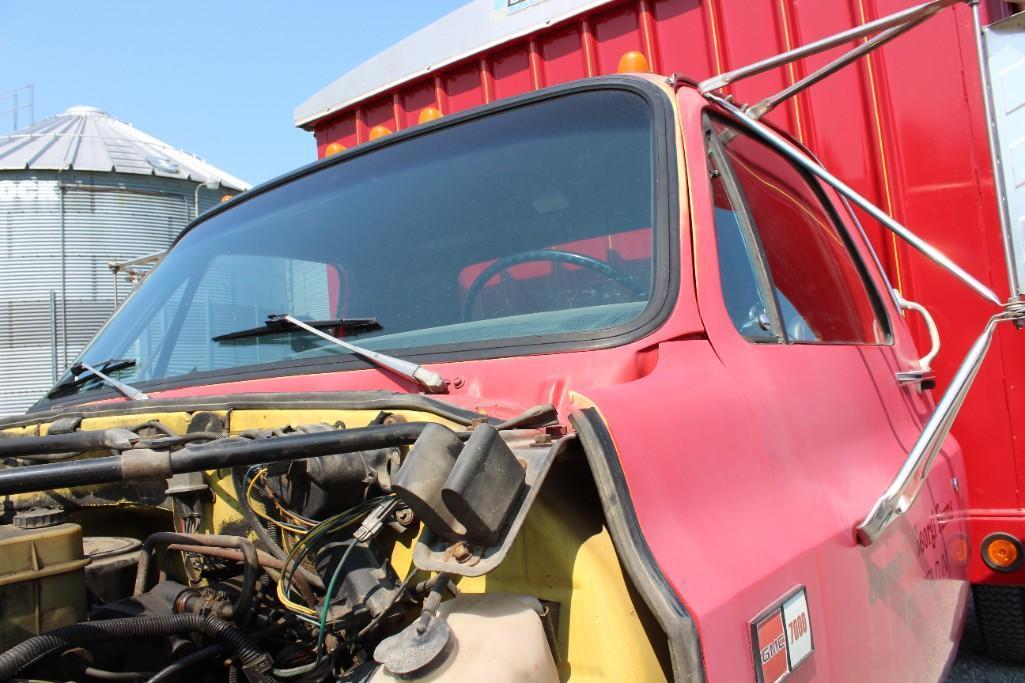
[531,222]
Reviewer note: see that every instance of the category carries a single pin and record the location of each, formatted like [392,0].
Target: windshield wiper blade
[109,365]
[430,380]
[278,324]
[76,378]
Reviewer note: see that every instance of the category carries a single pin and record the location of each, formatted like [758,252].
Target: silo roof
[89,139]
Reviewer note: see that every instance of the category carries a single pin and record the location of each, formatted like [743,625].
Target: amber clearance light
[633,62]
[1002,552]
[429,114]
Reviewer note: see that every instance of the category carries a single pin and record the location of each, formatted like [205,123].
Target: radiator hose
[256,664]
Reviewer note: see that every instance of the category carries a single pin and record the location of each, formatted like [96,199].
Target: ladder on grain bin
[1001,50]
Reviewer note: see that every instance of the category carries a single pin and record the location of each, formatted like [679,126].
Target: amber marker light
[379,132]
[334,148]
[633,62]
[428,114]
[1002,552]
[958,550]
[225,198]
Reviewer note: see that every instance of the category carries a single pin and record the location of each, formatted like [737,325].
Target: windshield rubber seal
[666,264]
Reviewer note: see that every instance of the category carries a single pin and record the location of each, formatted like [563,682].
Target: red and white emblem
[781,637]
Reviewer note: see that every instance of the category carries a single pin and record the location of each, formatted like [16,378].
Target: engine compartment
[424,549]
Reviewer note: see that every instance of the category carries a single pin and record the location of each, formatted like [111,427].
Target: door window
[818,283]
[745,290]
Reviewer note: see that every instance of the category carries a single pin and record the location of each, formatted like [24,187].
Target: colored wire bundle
[298,524]
[295,558]
[307,543]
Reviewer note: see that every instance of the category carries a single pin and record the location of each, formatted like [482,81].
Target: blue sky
[219,79]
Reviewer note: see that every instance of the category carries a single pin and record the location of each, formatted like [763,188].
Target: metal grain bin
[77,192]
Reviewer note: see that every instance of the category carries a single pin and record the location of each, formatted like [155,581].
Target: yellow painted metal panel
[564,554]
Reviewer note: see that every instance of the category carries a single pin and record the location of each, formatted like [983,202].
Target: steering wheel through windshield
[555,256]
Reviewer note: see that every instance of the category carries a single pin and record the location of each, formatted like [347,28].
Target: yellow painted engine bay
[438,558]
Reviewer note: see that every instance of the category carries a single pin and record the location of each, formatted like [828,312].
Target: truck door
[801,322]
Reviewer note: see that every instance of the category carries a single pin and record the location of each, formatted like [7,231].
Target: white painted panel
[1005,47]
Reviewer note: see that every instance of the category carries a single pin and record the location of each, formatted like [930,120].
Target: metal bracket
[923,375]
[789,150]
[888,28]
[902,492]
[436,554]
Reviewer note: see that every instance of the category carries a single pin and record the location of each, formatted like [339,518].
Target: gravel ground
[972,666]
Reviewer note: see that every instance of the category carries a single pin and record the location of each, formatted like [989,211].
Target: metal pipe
[108,439]
[244,452]
[881,24]
[994,149]
[900,495]
[53,336]
[232,452]
[265,560]
[303,578]
[782,145]
[64,275]
[211,184]
[60,475]
[769,103]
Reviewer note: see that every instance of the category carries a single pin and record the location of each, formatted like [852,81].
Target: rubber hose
[251,562]
[255,662]
[171,670]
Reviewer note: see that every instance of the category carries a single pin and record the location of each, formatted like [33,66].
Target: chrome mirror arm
[854,54]
[900,495]
[785,147]
[905,487]
[899,20]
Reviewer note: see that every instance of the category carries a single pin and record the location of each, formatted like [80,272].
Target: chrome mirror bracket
[900,495]
[923,377]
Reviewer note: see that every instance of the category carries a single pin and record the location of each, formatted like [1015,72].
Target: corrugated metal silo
[78,191]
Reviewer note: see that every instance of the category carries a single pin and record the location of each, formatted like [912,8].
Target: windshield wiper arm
[278,324]
[109,365]
[432,381]
[76,378]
